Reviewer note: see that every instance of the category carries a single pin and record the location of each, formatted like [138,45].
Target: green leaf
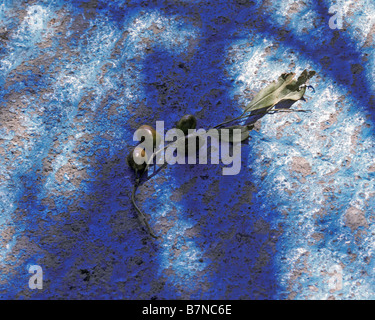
[285,88]
[230,137]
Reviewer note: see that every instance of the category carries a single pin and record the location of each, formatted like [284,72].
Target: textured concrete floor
[79,77]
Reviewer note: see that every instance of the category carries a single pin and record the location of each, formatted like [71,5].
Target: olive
[151,133]
[139,155]
[187,122]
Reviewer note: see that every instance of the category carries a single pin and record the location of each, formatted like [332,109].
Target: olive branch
[285,88]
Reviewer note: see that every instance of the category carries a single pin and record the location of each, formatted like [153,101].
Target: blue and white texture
[77,78]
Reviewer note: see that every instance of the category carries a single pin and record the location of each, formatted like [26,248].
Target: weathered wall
[78,78]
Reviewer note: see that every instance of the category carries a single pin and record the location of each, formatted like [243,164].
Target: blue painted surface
[78,78]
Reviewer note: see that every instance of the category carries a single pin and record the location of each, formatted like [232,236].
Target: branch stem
[140,213]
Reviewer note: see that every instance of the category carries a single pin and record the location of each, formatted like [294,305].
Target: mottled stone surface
[79,77]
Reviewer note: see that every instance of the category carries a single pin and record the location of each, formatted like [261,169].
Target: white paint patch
[36,18]
[172,36]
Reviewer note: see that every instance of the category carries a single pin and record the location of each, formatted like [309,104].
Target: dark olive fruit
[137,154]
[187,122]
[151,133]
